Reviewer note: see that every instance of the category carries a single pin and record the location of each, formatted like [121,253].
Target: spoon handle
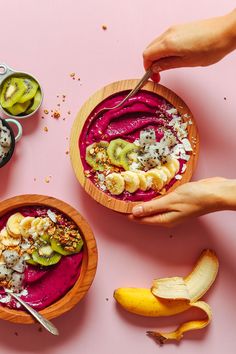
[42,320]
[142,81]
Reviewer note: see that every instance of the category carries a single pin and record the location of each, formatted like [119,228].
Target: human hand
[198,43]
[188,200]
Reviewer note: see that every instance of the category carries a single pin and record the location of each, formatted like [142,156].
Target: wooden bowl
[89,262]
[116,87]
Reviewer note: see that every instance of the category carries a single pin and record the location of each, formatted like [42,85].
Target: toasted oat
[56,114]
[47,179]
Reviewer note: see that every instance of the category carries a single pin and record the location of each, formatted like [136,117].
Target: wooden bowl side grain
[116,87]
[89,261]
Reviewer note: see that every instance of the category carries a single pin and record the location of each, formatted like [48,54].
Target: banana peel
[170,296]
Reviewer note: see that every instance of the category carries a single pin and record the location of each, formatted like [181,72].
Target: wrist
[226,195]
[230,29]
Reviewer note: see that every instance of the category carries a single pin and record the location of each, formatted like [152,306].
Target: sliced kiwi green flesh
[114,150]
[36,102]
[58,247]
[31,262]
[128,155]
[20,95]
[45,237]
[46,256]
[96,155]
[19,108]
[13,89]
[31,88]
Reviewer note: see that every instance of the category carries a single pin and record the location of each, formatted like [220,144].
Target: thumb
[168,63]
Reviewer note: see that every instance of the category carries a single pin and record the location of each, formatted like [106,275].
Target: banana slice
[13,225]
[157,178]
[167,173]
[176,164]
[39,226]
[173,166]
[7,240]
[144,182]
[35,222]
[163,175]
[25,226]
[131,181]
[115,183]
[43,225]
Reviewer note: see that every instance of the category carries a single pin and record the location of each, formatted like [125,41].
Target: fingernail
[138,210]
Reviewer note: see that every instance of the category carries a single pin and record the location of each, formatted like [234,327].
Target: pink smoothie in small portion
[42,286]
[144,111]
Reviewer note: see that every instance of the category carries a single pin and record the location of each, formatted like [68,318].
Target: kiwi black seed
[35,102]
[129,155]
[46,256]
[31,88]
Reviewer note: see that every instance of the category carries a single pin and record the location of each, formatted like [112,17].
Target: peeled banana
[170,296]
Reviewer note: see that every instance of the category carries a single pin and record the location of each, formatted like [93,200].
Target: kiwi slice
[36,102]
[11,92]
[31,262]
[46,256]
[19,108]
[45,238]
[129,155]
[114,150]
[96,155]
[58,247]
[31,88]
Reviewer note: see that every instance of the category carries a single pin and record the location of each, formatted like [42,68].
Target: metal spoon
[42,320]
[140,83]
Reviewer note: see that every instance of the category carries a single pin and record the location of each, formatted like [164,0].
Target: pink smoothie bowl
[86,261]
[144,111]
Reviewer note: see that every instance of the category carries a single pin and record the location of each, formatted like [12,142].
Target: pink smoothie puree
[146,110]
[44,285]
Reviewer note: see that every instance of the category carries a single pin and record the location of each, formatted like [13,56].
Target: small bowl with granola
[137,152]
[48,256]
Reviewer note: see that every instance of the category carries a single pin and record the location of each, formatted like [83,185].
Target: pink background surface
[51,39]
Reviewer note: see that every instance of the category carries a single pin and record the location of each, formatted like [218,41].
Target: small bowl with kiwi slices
[20,93]
[137,152]
[48,256]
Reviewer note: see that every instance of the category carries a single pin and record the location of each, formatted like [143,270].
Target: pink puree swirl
[145,110]
[45,285]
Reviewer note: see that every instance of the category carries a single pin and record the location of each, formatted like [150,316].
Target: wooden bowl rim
[84,112]
[89,261]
